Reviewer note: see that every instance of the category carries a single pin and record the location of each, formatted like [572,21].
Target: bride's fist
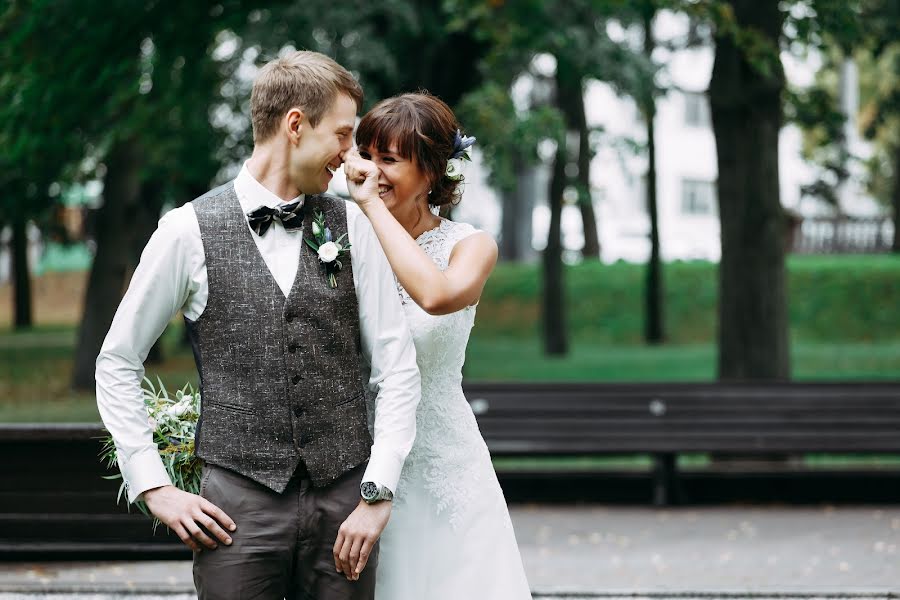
[362,178]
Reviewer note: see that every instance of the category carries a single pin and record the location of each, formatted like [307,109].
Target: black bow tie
[290,215]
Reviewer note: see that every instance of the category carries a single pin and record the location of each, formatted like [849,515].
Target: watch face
[368,489]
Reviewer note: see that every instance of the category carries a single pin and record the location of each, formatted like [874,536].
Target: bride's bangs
[391,123]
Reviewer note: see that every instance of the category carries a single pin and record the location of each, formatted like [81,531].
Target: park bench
[668,419]
[55,503]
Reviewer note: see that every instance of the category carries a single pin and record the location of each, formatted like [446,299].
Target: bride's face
[401,180]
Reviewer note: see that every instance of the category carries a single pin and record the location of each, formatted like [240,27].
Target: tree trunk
[896,198]
[591,247]
[112,261]
[21,275]
[747,116]
[555,332]
[509,241]
[653,300]
[518,204]
[570,99]
[144,224]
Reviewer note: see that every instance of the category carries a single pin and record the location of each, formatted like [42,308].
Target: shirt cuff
[144,471]
[384,469]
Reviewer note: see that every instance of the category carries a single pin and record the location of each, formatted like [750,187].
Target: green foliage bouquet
[173,419]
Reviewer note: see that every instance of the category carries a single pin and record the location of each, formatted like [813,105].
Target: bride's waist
[443,385]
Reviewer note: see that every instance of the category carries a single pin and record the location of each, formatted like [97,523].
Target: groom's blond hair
[306,80]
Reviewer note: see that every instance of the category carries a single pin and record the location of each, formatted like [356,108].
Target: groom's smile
[321,147]
[331,167]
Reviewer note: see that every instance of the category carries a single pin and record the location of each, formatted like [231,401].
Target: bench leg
[664,479]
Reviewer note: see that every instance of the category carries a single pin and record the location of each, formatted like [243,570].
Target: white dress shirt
[172,276]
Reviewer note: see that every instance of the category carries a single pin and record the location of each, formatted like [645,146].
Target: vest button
[289,317]
[303,440]
[298,411]
[296,379]
[292,348]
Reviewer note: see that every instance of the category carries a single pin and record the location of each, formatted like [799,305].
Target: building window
[698,197]
[696,110]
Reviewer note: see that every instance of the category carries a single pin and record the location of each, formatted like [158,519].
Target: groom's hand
[184,513]
[357,536]
[362,178]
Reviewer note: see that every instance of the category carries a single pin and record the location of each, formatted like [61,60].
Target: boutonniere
[330,251]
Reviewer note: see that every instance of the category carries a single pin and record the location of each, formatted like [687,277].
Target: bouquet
[173,419]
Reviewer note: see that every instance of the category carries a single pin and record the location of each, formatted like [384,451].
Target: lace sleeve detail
[438,243]
[460,231]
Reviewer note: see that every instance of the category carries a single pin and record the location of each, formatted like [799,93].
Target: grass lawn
[35,367]
[498,359]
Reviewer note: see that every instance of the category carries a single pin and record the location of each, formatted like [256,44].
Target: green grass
[843,310]
[36,371]
[830,299]
[522,360]
[36,367]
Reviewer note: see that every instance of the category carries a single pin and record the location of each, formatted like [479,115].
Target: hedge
[830,298]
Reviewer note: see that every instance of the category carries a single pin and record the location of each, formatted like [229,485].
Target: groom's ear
[294,121]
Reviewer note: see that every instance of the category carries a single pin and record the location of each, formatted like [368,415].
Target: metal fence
[843,235]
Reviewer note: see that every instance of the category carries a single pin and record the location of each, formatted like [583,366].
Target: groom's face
[320,149]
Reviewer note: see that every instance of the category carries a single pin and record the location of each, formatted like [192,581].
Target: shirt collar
[252,194]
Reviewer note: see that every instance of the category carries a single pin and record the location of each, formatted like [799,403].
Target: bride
[450,535]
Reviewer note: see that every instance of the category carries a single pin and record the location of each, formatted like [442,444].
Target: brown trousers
[283,545]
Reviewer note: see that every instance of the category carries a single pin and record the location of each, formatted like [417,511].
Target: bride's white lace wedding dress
[450,535]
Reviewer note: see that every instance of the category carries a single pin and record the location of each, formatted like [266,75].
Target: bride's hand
[357,537]
[362,178]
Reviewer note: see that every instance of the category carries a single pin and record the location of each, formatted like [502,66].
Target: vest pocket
[351,399]
[246,410]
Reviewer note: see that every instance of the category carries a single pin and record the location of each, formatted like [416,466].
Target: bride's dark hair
[423,128]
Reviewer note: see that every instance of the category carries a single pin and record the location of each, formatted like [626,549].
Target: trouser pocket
[204,479]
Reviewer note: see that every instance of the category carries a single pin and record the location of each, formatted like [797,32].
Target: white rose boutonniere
[329,251]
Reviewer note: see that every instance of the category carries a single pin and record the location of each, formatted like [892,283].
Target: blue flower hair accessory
[461,145]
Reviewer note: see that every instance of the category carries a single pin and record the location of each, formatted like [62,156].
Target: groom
[294,492]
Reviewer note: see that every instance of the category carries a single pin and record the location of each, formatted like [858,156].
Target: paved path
[711,549]
[611,552]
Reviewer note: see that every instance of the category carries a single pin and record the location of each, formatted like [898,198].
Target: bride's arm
[437,292]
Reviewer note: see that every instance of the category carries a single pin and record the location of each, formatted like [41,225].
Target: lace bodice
[449,453]
[440,339]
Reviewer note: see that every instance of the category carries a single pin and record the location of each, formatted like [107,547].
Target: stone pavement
[595,551]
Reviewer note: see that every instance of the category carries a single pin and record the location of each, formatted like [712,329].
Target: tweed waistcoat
[280,378]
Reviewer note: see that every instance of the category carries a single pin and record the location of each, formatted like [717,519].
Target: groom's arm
[388,347]
[160,286]
[171,276]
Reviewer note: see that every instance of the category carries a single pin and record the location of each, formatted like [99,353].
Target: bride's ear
[294,121]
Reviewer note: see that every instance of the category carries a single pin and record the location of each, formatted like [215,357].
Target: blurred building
[686,167]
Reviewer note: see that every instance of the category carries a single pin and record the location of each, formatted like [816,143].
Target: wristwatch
[371,492]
